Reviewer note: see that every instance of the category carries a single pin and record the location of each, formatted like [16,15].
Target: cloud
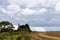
[28,11]
[54,22]
[31,3]
[34,12]
[43,10]
[36,3]
[13,9]
[39,29]
[57,7]
[2,9]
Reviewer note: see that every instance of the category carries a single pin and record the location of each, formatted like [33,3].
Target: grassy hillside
[30,36]
[13,36]
[24,33]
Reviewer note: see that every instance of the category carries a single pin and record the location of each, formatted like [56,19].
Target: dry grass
[33,36]
[45,36]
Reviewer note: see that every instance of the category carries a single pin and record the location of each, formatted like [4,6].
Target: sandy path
[46,36]
[41,36]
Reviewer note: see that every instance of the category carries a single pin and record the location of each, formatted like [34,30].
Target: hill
[30,36]
[24,33]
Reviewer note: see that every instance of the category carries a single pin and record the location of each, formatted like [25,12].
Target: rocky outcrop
[24,28]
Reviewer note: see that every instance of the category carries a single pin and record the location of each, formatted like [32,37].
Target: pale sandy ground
[45,36]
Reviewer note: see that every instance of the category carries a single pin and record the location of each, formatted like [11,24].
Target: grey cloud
[37,19]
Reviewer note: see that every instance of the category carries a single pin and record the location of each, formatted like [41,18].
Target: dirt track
[41,36]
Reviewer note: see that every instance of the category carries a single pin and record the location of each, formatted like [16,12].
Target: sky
[33,12]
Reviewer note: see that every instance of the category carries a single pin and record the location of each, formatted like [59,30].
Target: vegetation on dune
[8,33]
[23,32]
[6,26]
